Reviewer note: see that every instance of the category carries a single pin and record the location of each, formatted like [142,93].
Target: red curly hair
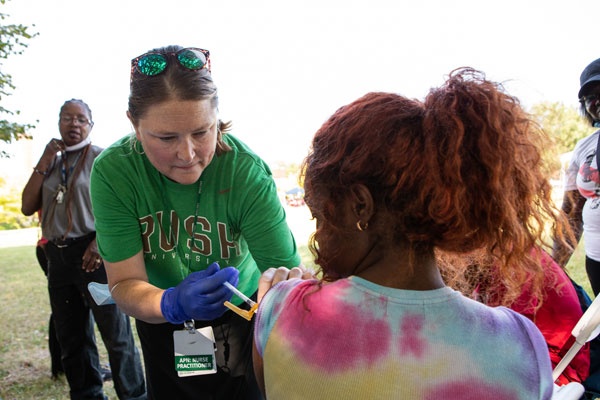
[459,171]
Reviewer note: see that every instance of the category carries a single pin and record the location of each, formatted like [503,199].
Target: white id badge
[195,351]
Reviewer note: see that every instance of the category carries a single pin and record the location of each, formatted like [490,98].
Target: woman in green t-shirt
[182,207]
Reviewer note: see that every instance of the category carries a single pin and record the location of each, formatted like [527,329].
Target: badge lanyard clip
[190,327]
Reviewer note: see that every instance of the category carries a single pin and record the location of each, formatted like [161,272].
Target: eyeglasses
[67,119]
[153,63]
[589,99]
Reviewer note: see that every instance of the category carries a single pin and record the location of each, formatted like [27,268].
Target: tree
[13,41]
[564,126]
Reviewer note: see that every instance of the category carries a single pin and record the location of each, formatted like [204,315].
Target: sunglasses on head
[154,63]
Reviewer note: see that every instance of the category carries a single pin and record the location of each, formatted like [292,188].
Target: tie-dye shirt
[353,339]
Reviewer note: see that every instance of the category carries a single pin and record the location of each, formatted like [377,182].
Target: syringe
[247,314]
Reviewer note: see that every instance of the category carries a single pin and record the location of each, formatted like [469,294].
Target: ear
[362,202]
[130,118]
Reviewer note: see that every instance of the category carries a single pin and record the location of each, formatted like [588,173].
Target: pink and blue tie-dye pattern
[355,339]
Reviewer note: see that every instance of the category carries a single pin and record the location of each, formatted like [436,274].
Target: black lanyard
[175,239]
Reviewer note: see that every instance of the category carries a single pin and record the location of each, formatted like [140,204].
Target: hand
[91,258]
[199,296]
[273,276]
[54,146]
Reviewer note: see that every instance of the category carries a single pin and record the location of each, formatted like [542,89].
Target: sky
[283,67]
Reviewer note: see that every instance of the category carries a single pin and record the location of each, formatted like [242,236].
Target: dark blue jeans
[74,312]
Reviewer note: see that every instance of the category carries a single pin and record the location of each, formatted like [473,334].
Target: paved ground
[19,237]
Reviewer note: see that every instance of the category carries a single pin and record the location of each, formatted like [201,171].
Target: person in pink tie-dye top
[390,180]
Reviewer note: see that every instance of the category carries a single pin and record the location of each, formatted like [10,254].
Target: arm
[572,206]
[258,369]
[31,199]
[118,241]
[200,296]
[128,283]
[268,279]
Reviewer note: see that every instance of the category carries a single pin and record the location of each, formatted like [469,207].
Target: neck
[393,270]
[79,145]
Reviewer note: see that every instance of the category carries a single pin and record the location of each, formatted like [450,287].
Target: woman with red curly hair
[390,181]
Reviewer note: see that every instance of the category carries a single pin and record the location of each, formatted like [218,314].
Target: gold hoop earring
[360,227]
[136,145]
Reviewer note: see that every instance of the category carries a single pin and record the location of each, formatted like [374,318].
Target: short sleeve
[269,310]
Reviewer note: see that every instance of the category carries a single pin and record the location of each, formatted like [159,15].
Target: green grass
[576,269]
[24,356]
[24,311]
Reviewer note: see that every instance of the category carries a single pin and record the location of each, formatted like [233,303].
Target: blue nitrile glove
[199,296]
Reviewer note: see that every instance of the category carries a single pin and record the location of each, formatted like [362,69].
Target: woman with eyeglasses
[183,208]
[59,187]
[581,200]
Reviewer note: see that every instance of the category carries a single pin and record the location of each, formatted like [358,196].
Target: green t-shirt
[233,210]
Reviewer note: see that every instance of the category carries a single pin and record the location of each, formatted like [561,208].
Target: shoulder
[586,142]
[96,150]
[118,164]
[284,289]
[285,292]
[278,298]
[116,151]
[510,322]
[242,157]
